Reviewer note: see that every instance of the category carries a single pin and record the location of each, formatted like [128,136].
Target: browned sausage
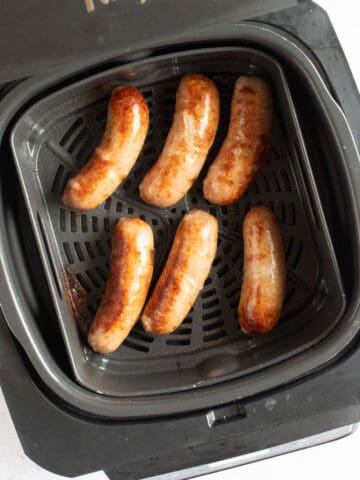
[184,274]
[247,143]
[131,268]
[263,289]
[125,133]
[191,135]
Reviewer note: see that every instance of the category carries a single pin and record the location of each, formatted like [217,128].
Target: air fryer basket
[57,135]
[20,289]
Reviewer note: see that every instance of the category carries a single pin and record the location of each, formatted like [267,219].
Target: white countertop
[333,459]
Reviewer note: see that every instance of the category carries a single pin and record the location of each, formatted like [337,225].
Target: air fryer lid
[39,35]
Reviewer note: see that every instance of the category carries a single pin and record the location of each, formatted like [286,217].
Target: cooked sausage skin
[246,145]
[124,136]
[184,274]
[189,140]
[131,269]
[264,273]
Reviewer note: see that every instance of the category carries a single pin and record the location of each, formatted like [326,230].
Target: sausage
[189,140]
[184,274]
[246,145]
[263,289]
[125,133]
[131,269]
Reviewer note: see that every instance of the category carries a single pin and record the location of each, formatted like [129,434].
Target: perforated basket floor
[57,136]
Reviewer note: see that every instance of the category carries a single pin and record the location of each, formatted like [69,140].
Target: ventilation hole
[264,182]
[229,282]
[208,281]
[85,151]
[289,248]
[194,201]
[188,320]
[292,214]
[89,250]
[107,224]
[271,206]
[83,282]
[70,132]
[95,224]
[254,187]
[93,278]
[101,117]
[130,211]
[56,186]
[236,209]
[237,255]
[171,221]
[226,248]
[107,204]
[297,256]
[160,233]
[108,243]
[212,210]
[141,336]
[236,226]
[62,220]
[222,271]
[100,248]
[154,221]
[66,179]
[236,291]
[276,182]
[224,210]
[224,223]
[69,255]
[135,346]
[216,261]
[247,208]
[209,316]
[178,341]
[84,133]
[182,331]
[214,336]
[139,171]
[147,94]
[286,180]
[79,252]
[119,207]
[208,293]
[101,273]
[281,212]
[289,295]
[212,326]
[211,304]
[73,222]
[126,185]
[84,225]
[173,210]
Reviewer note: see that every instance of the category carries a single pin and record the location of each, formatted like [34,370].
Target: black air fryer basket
[55,261]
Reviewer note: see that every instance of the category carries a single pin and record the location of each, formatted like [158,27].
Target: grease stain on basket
[77,298]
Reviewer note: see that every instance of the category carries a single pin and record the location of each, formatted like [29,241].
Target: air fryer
[195,400]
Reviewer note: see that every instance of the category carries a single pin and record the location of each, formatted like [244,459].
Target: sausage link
[263,289]
[246,145]
[125,133]
[191,135]
[131,268]
[184,274]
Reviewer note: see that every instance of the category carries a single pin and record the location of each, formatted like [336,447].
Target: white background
[334,459]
